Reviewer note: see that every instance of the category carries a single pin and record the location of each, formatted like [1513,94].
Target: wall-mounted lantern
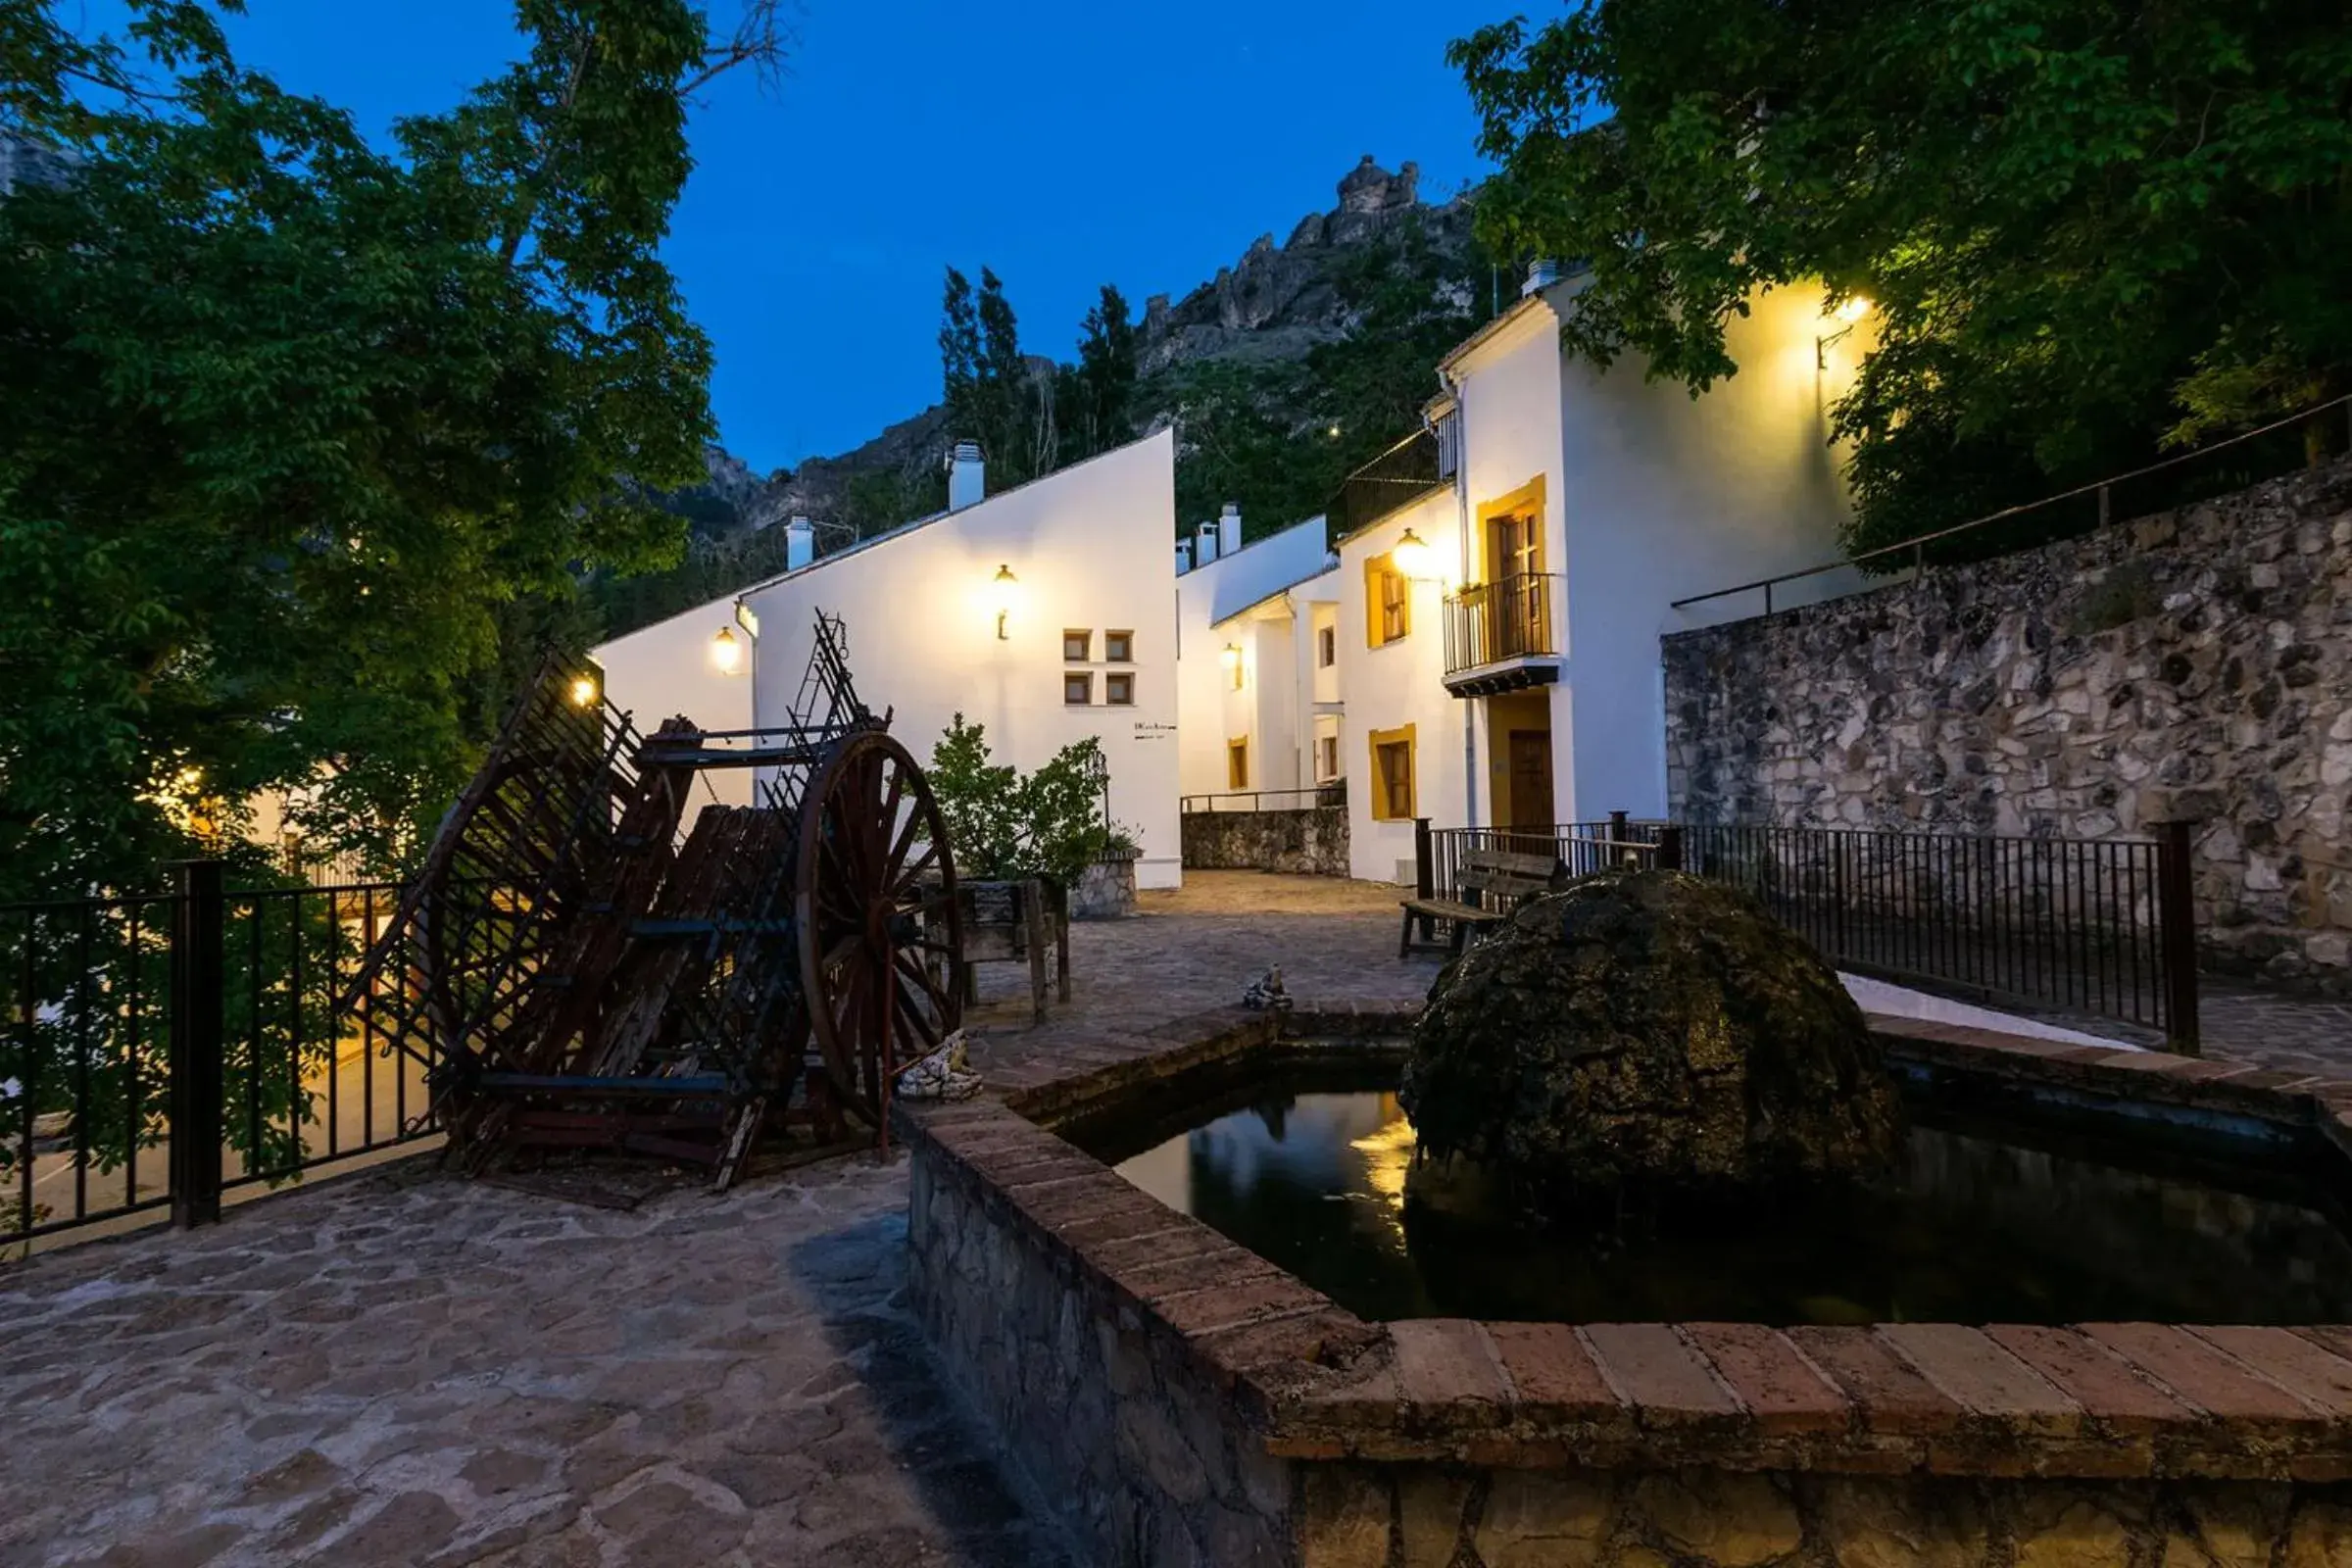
[1004,588]
[584,691]
[727,650]
[1856,306]
[1413,558]
[1232,658]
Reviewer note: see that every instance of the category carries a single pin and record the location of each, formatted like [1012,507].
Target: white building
[1044,614]
[1496,635]
[1250,703]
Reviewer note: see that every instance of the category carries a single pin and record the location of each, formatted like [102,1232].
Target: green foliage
[289,424]
[2088,227]
[1003,825]
[876,502]
[1031,420]
[1262,433]
[99,1043]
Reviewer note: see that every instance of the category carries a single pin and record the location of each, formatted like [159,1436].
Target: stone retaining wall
[2192,665]
[1306,843]
[1185,1401]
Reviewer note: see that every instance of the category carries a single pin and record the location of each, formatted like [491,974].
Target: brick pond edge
[1176,1399]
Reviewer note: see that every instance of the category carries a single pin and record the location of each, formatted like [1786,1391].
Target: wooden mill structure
[576,967]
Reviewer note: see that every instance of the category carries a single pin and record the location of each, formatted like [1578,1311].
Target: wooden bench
[1492,883]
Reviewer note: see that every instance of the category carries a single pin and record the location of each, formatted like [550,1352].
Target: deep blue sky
[1065,143]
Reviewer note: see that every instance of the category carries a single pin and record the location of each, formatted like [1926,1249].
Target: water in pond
[2041,1225]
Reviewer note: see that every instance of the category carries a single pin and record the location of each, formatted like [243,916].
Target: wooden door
[1531,777]
[1515,593]
[1514,547]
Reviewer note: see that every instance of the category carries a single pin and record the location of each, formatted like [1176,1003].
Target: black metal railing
[162,1049]
[1334,793]
[2105,928]
[1389,482]
[2231,464]
[1575,848]
[1510,618]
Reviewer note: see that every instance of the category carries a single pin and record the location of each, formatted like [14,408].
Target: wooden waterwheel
[874,909]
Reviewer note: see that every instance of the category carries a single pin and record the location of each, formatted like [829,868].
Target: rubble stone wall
[1306,843]
[2191,665]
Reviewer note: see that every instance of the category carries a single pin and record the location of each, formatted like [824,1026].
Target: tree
[294,431]
[991,396]
[2087,228]
[1102,388]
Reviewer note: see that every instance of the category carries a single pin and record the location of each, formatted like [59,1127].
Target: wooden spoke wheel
[874,909]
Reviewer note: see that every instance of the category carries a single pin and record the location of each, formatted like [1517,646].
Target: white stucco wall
[1650,496]
[1089,547]
[1401,683]
[665,669]
[1213,593]
[1667,496]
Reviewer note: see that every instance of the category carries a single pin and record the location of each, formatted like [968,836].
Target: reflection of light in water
[1304,1141]
[1388,1156]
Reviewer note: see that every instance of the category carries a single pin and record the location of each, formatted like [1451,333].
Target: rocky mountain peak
[1275,304]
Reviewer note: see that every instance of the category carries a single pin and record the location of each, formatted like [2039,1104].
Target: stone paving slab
[405,1368]
[400,1368]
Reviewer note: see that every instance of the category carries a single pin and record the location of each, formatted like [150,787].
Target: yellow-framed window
[1388,603]
[1396,795]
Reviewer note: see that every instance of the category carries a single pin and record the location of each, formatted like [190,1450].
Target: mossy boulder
[1646,1034]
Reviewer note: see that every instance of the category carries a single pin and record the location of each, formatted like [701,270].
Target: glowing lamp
[1413,558]
[727,650]
[1231,658]
[583,689]
[1854,308]
[1004,587]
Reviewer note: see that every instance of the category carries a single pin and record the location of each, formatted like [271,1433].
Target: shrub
[1003,825]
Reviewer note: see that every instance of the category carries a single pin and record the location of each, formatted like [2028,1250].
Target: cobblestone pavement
[2276,1029]
[402,1368]
[407,1369]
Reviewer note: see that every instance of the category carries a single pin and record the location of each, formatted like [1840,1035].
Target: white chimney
[1542,274]
[800,544]
[1205,550]
[1184,557]
[1229,529]
[967,476]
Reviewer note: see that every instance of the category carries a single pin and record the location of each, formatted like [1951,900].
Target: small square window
[1077,688]
[1118,647]
[1078,647]
[1237,763]
[1327,647]
[1118,689]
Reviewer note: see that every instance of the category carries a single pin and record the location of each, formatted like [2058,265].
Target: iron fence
[2104,927]
[1332,793]
[163,1049]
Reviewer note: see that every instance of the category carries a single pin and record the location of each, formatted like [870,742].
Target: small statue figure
[945,1074]
[1265,993]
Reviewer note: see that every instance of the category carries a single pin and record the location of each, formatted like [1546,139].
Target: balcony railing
[1490,624]
[1332,792]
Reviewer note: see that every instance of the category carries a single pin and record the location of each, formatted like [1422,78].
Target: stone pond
[1183,1397]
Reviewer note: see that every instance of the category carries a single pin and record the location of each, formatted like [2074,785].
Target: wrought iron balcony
[1501,635]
